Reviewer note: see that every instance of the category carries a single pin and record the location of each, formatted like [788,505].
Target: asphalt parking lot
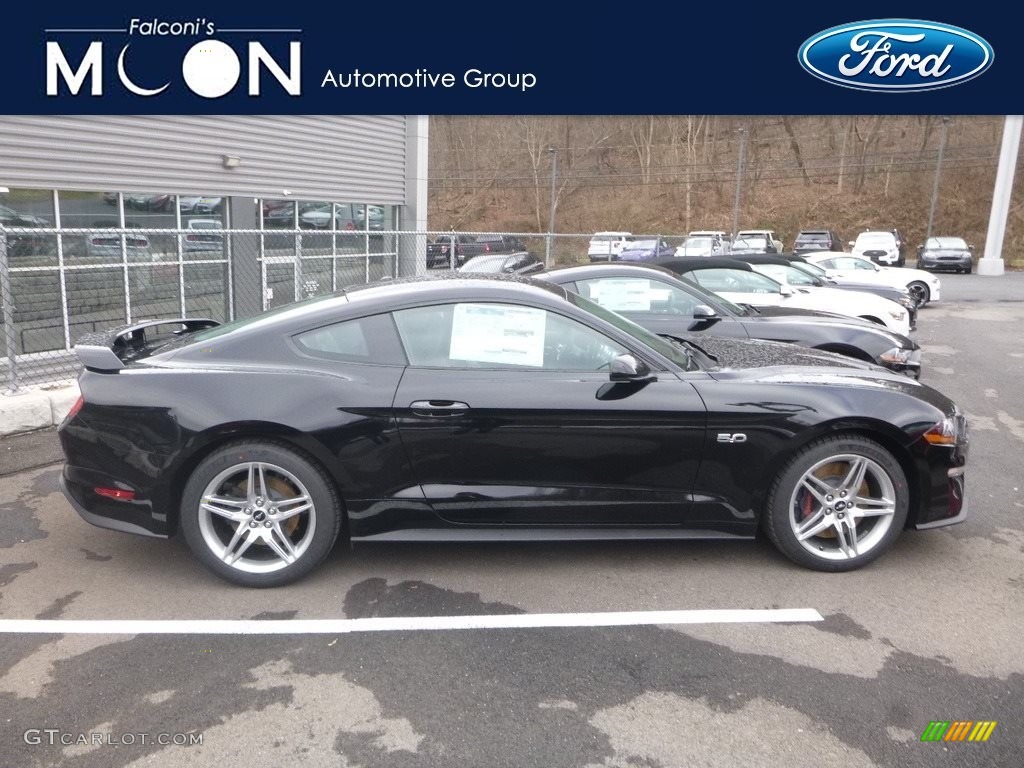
[931,632]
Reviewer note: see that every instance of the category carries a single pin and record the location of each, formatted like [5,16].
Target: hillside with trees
[673,174]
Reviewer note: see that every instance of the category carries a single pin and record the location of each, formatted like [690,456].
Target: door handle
[438,408]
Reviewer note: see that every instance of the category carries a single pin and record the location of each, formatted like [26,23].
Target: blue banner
[523,58]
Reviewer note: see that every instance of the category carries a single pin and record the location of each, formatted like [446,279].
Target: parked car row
[884,247]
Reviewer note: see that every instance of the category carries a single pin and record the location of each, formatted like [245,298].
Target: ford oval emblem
[896,55]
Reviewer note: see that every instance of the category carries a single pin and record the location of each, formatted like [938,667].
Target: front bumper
[964,263]
[911,366]
[956,495]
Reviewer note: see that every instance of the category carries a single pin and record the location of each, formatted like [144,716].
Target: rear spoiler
[108,350]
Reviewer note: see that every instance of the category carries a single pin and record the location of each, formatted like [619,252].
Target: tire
[793,511]
[273,536]
[920,292]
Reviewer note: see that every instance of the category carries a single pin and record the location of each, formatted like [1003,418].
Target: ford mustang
[494,408]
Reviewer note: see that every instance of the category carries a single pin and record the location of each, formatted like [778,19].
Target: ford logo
[896,55]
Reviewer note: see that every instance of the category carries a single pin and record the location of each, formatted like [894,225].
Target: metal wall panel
[331,157]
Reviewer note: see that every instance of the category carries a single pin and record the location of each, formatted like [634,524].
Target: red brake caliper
[805,506]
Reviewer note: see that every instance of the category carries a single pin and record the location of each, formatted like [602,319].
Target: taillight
[76,407]
[487,248]
[192,238]
[117,494]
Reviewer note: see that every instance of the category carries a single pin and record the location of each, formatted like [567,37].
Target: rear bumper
[126,516]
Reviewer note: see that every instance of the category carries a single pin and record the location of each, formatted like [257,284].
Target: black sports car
[661,302]
[494,409]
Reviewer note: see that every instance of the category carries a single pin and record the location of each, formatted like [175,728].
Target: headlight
[945,432]
[897,315]
[907,302]
[896,355]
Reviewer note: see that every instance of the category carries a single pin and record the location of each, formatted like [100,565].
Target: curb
[35,408]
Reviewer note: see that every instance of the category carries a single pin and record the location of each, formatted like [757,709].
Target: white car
[606,246]
[767,234]
[880,246]
[760,290]
[923,286]
[204,235]
[701,245]
[807,294]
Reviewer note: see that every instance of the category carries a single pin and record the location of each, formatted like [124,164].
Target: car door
[658,305]
[508,415]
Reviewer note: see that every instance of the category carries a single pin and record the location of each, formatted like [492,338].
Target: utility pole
[992,262]
[551,217]
[938,175]
[739,182]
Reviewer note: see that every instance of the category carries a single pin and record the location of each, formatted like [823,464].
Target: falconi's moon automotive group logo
[80,61]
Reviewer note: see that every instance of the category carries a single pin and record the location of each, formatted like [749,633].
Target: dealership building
[220,216]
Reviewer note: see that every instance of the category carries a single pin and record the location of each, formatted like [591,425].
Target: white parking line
[400,624]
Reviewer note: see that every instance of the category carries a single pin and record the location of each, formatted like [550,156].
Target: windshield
[954,243]
[876,238]
[484,264]
[699,242]
[750,243]
[674,352]
[641,244]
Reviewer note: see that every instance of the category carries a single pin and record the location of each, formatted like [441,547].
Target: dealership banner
[524,58]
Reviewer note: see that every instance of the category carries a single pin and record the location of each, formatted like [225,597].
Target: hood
[792,314]
[756,353]
[945,252]
[806,314]
[776,363]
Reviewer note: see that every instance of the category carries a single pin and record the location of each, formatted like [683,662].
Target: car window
[635,294]
[472,335]
[734,280]
[368,340]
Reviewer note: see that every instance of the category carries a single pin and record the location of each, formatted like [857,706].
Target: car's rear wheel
[920,292]
[837,505]
[259,514]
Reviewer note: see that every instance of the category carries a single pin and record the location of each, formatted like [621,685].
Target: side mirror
[704,312]
[850,243]
[970,247]
[785,290]
[628,368]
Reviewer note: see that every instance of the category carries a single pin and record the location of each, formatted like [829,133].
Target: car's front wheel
[260,514]
[919,292]
[838,504]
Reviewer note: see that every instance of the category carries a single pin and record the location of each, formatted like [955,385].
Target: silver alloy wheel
[919,292]
[257,517]
[842,507]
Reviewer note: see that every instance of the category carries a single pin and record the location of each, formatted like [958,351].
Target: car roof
[585,271]
[679,264]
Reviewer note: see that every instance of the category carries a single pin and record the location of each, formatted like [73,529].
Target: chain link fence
[57,284]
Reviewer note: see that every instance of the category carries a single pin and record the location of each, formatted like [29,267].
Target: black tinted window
[368,340]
